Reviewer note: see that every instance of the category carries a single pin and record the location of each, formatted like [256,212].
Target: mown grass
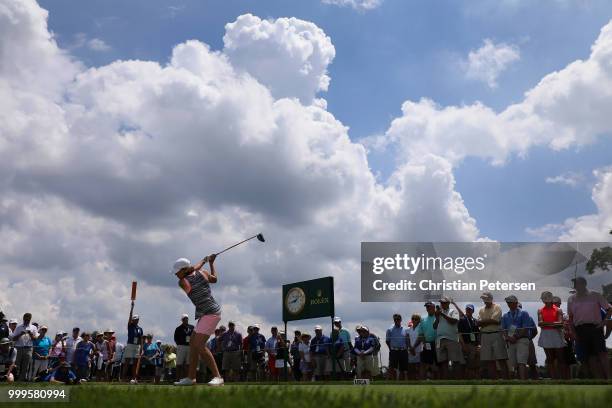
[331,396]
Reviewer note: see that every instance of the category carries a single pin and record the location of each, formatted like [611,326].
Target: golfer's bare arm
[212,275]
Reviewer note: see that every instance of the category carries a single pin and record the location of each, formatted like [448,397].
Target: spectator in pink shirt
[585,309]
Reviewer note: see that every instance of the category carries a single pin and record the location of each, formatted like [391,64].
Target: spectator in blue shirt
[338,351]
[364,351]
[42,345]
[345,336]
[133,348]
[515,325]
[320,352]
[82,357]
[532,361]
[398,352]
[63,374]
[150,357]
[427,336]
[257,344]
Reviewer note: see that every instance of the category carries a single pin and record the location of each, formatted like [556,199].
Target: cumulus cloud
[97,44]
[288,55]
[487,62]
[355,4]
[592,227]
[569,178]
[566,108]
[110,173]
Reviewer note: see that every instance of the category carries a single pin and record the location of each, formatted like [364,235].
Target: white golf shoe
[185,381]
[216,382]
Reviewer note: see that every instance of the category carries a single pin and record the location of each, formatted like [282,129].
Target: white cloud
[569,178]
[489,61]
[594,227]
[108,174]
[97,44]
[103,169]
[356,4]
[566,108]
[288,55]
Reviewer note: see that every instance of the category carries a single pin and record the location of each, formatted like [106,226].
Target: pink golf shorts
[207,324]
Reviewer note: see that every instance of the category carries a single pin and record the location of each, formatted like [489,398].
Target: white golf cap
[59,333]
[337,319]
[135,317]
[180,264]
[13,321]
[317,327]
[44,327]
[184,315]
[256,326]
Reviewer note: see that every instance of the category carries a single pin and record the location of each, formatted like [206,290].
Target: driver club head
[260,237]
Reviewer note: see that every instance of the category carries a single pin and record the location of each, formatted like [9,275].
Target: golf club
[259,237]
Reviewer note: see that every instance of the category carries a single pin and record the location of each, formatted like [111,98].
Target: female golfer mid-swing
[196,284]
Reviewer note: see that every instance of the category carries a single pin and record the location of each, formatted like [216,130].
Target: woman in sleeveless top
[550,319]
[195,282]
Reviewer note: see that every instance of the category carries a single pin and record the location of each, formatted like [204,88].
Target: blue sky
[402,50]
[125,162]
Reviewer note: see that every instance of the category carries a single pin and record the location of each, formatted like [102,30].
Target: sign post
[308,300]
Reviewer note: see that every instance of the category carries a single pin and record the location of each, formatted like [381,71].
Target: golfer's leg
[209,360]
[194,355]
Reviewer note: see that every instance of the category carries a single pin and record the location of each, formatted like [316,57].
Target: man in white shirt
[71,343]
[23,336]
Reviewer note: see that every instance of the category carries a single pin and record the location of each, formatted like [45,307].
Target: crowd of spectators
[445,342]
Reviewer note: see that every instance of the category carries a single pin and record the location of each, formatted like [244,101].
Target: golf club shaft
[241,242]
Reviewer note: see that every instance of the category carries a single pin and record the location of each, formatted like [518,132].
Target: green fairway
[344,395]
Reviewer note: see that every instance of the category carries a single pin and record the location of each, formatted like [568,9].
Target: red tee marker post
[134,284]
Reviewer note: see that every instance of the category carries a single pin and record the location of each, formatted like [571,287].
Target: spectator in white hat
[41,345]
[58,350]
[516,325]
[364,350]
[12,324]
[492,345]
[320,347]
[345,336]
[182,337]
[133,348]
[448,347]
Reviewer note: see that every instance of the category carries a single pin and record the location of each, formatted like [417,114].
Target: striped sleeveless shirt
[201,296]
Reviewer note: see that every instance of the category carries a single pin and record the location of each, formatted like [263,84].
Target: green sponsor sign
[308,299]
